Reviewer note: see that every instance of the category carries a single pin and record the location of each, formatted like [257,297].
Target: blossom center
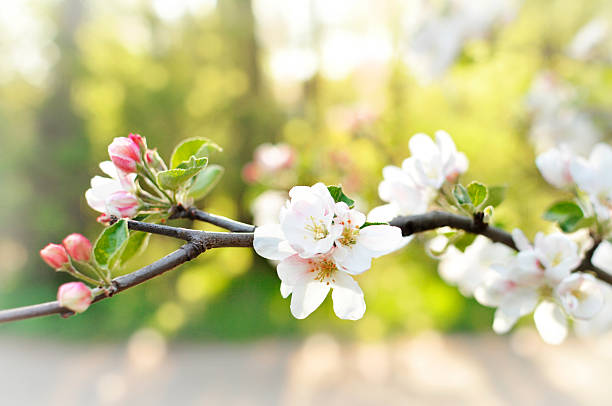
[325,270]
[318,230]
[349,235]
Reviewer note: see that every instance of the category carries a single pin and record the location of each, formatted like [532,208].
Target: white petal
[110,169]
[285,289]
[522,243]
[306,297]
[269,242]
[349,303]
[384,213]
[503,322]
[520,301]
[95,202]
[294,270]
[351,259]
[602,257]
[422,147]
[550,322]
[381,239]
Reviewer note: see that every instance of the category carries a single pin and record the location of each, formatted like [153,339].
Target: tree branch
[200,241]
[436,219]
[220,221]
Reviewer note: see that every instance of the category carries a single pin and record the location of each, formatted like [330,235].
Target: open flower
[309,280]
[356,246]
[432,164]
[594,176]
[581,295]
[307,220]
[102,188]
[555,164]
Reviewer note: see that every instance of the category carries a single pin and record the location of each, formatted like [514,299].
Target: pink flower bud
[78,247]
[138,140]
[75,296]
[250,173]
[122,204]
[125,154]
[55,256]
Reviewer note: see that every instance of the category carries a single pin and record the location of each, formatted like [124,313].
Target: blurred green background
[76,74]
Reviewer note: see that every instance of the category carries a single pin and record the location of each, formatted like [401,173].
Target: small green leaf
[206,181]
[478,194]
[464,241]
[136,244]
[339,196]
[568,215]
[198,147]
[462,198]
[110,243]
[367,224]
[497,194]
[175,178]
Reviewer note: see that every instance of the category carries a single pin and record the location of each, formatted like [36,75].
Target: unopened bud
[75,296]
[55,256]
[125,154]
[78,247]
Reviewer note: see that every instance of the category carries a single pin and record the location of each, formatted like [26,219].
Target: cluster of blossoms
[73,253]
[413,187]
[119,194]
[320,242]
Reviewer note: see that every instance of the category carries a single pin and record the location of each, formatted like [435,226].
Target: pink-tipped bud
[78,247]
[122,204]
[55,256]
[125,154]
[138,140]
[75,296]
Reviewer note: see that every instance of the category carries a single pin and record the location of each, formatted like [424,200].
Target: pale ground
[429,369]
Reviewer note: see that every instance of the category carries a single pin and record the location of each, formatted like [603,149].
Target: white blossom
[580,295]
[594,176]
[555,164]
[103,188]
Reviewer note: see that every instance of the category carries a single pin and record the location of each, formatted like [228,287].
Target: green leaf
[497,194]
[339,196]
[462,197]
[110,243]
[206,181]
[478,194]
[175,178]
[568,215]
[367,224]
[198,147]
[464,241]
[136,244]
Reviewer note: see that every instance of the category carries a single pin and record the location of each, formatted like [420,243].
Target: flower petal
[381,239]
[550,322]
[349,303]
[503,321]
[306,297]
[269,242]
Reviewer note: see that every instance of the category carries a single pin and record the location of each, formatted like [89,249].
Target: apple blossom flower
[516,287]
[594,176]
[309,280]
[357,245]
[102,187]
[589,42]
[75,296]
[122,204]
[307,220]
[580,295]
[432,164]
[555,164]
[469,269]
[78,247]
[125,153]
[55,256]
